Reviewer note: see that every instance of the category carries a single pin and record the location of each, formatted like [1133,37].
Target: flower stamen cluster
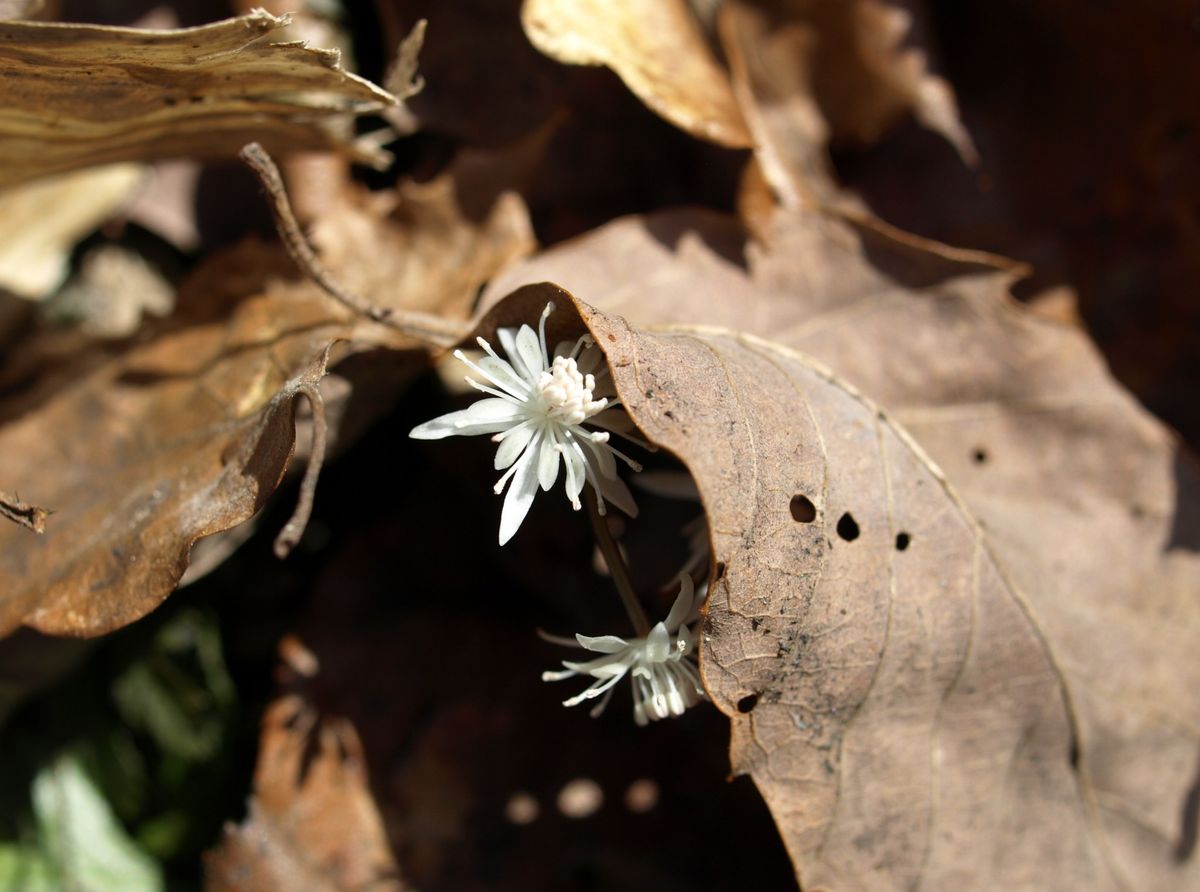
[539,402]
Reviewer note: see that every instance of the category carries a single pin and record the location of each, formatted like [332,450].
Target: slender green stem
[616,565]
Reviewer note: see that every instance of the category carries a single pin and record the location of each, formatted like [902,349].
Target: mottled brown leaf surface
[144,452]
[657,49]
[80,95]
[312,823]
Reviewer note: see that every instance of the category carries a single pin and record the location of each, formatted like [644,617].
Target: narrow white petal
[599,707]
[530,351]
[575,473]
[603,644]
[548,461]
[658,644]
[483,417]
[598,454]
[503,375]
[683,603]
[514,443]
[520,495]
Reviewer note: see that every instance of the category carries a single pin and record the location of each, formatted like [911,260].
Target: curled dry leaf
[81,95]
[657,49]
[312,823]
[923,697]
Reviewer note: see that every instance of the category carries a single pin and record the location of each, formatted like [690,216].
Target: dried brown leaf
[80,95]
[427,246]
[1057,462]
[312,823]
[180,437]
[657,49]
[843,72]
[20,512]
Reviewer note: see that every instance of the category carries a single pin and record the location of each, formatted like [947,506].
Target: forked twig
[424,326]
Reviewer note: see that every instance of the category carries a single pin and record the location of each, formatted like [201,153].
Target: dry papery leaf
[312,823]
[421,242]
[81,95]
[657,49]
[867,63]
[921,696]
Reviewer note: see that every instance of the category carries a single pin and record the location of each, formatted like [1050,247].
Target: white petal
[603,644]
[504,375]
[575,473]
[598,454]
[520,496]
[530,350]
[682,607]
[514,443]
[548,462]
[658,644]
[488,416]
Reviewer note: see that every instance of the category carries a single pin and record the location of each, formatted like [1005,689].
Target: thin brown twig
[290,535]
[425,326]
[616,565]
[29,516]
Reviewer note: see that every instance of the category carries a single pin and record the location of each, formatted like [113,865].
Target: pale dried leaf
[312,823]
[80,95]
[41,222]
[656,48]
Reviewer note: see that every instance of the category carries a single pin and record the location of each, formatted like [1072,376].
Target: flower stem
[616,565]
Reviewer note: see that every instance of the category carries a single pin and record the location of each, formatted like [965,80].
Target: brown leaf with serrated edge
[312,823]
[655,46]
[996,705]
[80,95]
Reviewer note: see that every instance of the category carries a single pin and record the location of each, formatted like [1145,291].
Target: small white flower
[665,680]
[539,403]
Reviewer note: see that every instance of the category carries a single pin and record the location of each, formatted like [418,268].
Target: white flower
[539,403]
[665,681]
